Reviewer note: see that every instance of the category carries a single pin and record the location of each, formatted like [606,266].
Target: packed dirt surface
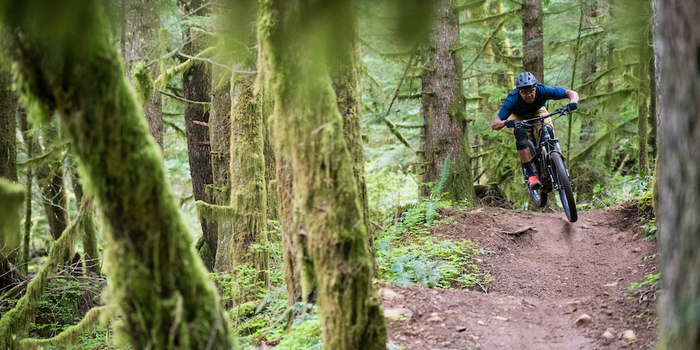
[557,285]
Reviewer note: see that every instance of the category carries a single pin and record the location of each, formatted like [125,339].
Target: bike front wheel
[537,197]
[566,192]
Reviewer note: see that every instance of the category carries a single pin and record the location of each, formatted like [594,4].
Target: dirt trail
[546,277]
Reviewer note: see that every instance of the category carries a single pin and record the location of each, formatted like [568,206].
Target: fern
[443,177]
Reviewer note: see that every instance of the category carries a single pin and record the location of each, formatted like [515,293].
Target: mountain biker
[525,102]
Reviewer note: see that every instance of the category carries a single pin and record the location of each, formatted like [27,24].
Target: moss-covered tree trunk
[8,128]
[295,36]
[140,45]
[11,198]
[220,138]
[196,85]
[158,283]
[289,228]
[679,181]
[248,192]
[87,227]
[444,111]
[533,38]
[50,179]
[266,107]
[344,79]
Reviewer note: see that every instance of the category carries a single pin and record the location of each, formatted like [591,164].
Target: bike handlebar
[529,122]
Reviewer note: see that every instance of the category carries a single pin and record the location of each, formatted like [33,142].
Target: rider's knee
[520,138]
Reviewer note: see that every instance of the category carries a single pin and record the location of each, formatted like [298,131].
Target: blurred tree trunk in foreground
[679,178]
[159,285]
[296,37]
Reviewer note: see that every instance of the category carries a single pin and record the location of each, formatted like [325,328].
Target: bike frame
[547,144]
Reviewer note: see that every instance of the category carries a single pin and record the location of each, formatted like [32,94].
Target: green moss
[456,110]
[71,335]
[143,82]
[15,321]
[214,212]
[243,311]
[158,284]
[332,247]
[11,200]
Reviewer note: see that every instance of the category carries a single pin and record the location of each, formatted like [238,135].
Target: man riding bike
[525,102]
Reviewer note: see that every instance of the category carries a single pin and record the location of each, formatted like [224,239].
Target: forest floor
[548,274]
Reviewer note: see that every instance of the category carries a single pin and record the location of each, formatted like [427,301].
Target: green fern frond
[443,177]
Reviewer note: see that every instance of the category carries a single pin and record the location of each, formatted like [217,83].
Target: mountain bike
[548,164]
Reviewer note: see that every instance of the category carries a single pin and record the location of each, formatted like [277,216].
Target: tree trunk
[290,230]
[446,132]
[8,129]
[248,193]
[85,223]
[309,129]
[140,40]
[220,138]
[161,288]
[196,84]
[344,80]
[679,179]
[533,38]
[11,198]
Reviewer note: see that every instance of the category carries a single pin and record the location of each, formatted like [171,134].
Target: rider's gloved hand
[571,106]
[509,123]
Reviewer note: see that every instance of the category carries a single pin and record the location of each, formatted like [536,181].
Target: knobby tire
[566,192]
[537,197]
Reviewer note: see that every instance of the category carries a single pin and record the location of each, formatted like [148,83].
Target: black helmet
[525,80]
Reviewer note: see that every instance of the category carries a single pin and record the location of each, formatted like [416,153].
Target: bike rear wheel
[537,197]
[566,192]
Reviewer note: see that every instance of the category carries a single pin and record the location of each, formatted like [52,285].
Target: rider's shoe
[533,182]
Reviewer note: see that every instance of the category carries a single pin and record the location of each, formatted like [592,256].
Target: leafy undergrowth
[408,254]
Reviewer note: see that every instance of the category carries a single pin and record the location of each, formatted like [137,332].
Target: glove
[509,123]
[571,106]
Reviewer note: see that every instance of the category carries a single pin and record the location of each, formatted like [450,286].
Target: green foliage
[651,280]
[305,334]
[386,190]
[429,262]
[649,229]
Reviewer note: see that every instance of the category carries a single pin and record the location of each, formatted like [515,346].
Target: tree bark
[86,226]
[309,129]
[533,38]
[446,131]
[679,178]
[220,138]
[196,84]
[159,285]
[248,192]
[140,43]
[8,129]
[344,79]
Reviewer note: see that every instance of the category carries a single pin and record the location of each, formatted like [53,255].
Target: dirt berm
[548,274]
